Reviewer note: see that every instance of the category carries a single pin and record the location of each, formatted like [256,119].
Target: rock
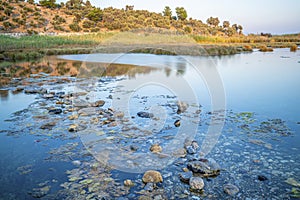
[185,176]
[177,123]
[190,150]
[181,153]
[98,103]
[155,148]
[76,162]
[87,111]
[48,96]
[72,117]
[149,187]
[152,176]
[145,114]
[293,182]
[181,107]
[35,90]
[128,183]
[73,128]
[48,126]
[205,167]
[119,114]
[134,147]
[262,178]
[196,183]
[195,145]
[230,189]
[55,111]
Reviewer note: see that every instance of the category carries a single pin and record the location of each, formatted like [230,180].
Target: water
[252,99]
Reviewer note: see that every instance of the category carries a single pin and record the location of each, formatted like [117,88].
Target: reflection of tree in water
[167,71]
[181,68]
[4,94]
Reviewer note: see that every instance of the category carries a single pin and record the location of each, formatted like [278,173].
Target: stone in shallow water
[262,178]
[149,187]
[55,111]
[205,167]
[143,114]
[155,148]
[48,125]
[98,103]
[230,189]
[128,183]
[185,176]
[177,123]
[152,176]
[196,183]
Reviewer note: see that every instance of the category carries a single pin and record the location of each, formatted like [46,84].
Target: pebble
[152,176]
[196,183]
[262,178]
[98,103]
[230,189]
[128,183]
[177,123]
[55,111]
[73,128]
[155,148]
[182,107]
[145,114]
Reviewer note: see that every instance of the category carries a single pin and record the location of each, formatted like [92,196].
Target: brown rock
[152,176]
[155,148]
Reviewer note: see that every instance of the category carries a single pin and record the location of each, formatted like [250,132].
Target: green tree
[181,13]
[167,12]
[95,15]
[235,27]
[30,1]
[75,27]
[48,3]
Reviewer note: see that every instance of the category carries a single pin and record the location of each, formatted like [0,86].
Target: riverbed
[85,126]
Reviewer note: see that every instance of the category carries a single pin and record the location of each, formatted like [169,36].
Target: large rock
[205,167]
[196,183]
[152,176]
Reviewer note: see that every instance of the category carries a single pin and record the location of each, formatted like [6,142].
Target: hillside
[80,16]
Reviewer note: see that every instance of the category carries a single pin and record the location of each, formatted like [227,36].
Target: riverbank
[36,46]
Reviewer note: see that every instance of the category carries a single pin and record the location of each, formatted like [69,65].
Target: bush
[294,48]
[75,27]
[264,48]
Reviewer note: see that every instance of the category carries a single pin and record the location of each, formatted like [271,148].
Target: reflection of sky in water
[266,83]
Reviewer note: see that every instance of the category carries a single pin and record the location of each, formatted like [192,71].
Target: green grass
[8,43]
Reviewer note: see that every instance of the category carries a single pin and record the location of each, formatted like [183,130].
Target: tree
[48,3]
[95,15]
[240,28]
[167,12]
[181,13]
[235,27]
[226,24]
[88,4]
[213,21]
[30,1]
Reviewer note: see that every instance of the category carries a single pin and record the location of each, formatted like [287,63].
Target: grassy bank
[36,46]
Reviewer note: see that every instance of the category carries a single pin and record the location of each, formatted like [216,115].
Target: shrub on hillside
[75,27]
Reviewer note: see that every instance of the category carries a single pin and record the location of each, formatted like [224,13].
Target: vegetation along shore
[31,30]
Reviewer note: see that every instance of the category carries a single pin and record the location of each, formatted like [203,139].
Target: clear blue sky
[271,16]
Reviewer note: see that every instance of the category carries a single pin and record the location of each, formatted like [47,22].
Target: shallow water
[247,104]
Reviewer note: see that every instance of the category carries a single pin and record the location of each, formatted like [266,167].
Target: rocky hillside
[80,16]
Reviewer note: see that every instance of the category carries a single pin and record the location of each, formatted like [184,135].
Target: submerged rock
[98,103]
[152,176]
[185,176]
[262,178]
[205,167]
[230,189]
[196,184]
[155,148]
[149,187]
[55,111]
[48,125]
[143,114]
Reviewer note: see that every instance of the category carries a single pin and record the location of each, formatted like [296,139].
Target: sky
[256,16]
